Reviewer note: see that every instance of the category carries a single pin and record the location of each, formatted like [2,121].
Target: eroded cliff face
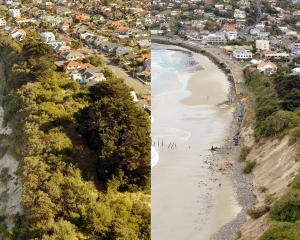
[275,169]
[10,184]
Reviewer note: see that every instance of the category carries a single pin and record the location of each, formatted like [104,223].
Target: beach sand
[206,86]
[188,201]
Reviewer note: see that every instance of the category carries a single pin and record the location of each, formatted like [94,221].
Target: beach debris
[213,148]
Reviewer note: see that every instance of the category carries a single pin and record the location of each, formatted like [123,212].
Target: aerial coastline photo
[149,120]
[75,120]
[225,99]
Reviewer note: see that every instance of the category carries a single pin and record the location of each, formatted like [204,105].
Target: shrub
[278,122]
[282,231]
[287,208]
[244,153]
[270,198]
[257,212]
[249,167]
[262,189]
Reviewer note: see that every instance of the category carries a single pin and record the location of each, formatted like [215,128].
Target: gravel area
[242,182]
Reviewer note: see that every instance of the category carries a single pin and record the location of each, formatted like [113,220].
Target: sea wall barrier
[232,68]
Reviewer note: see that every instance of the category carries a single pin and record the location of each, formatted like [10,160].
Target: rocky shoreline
[242,183]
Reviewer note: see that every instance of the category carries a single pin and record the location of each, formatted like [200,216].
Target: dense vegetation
[277,102]
[84,153]
[277,107]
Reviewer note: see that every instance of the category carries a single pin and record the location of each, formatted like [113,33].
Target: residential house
[216,38]
[18,34]
[231,35]
[14,13]
[47,37]
[62,48]
[242,54]
[267,68]
[91,76]
[270,54]
[72,55]
[75,66]
[262,45]
[2,22]
[296,71]
[239,14]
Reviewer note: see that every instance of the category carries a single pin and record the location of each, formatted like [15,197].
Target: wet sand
[188,201]
[205,86]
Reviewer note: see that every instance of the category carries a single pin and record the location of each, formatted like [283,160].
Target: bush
[278,122]
[257,212]
[282,231]
[287,208]
[244,153]
[249,167]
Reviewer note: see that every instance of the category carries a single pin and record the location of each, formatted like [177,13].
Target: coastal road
[232,64]
[133,83]
[139,87]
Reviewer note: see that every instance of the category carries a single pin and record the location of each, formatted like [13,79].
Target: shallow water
[187,202]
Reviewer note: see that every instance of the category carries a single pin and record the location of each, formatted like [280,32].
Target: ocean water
[167,77]
[187,203]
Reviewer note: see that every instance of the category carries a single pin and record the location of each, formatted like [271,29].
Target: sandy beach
[191,199]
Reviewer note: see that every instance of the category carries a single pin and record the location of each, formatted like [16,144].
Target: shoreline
[200,206]
[235,76]
[242,183]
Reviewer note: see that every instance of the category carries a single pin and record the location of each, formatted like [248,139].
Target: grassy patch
[244,153]
[287,208]
[249,167]
[282,231]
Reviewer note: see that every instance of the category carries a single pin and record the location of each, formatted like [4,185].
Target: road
[139,87]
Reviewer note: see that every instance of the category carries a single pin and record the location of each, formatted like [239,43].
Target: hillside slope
[274,171]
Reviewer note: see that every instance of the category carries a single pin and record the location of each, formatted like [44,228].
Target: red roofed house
[76,66]
[267,68]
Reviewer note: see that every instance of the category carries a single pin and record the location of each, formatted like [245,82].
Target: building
[73,55]
[216,39]
[232,35]
[262,45]
[242,54]
[269,54]
[14,13]
[47,37]
[18,34]
[2,22]
[296,71]
[239,14]
[267,68]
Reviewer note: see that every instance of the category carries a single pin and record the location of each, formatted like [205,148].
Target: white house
[267,68]
[72,55]
[262,45]
[296,71]
[14,13]
[18,34]
[134,96]
[242,54]
[2,22]
[216,38]
[47,37]
[231,35]
[239,14]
